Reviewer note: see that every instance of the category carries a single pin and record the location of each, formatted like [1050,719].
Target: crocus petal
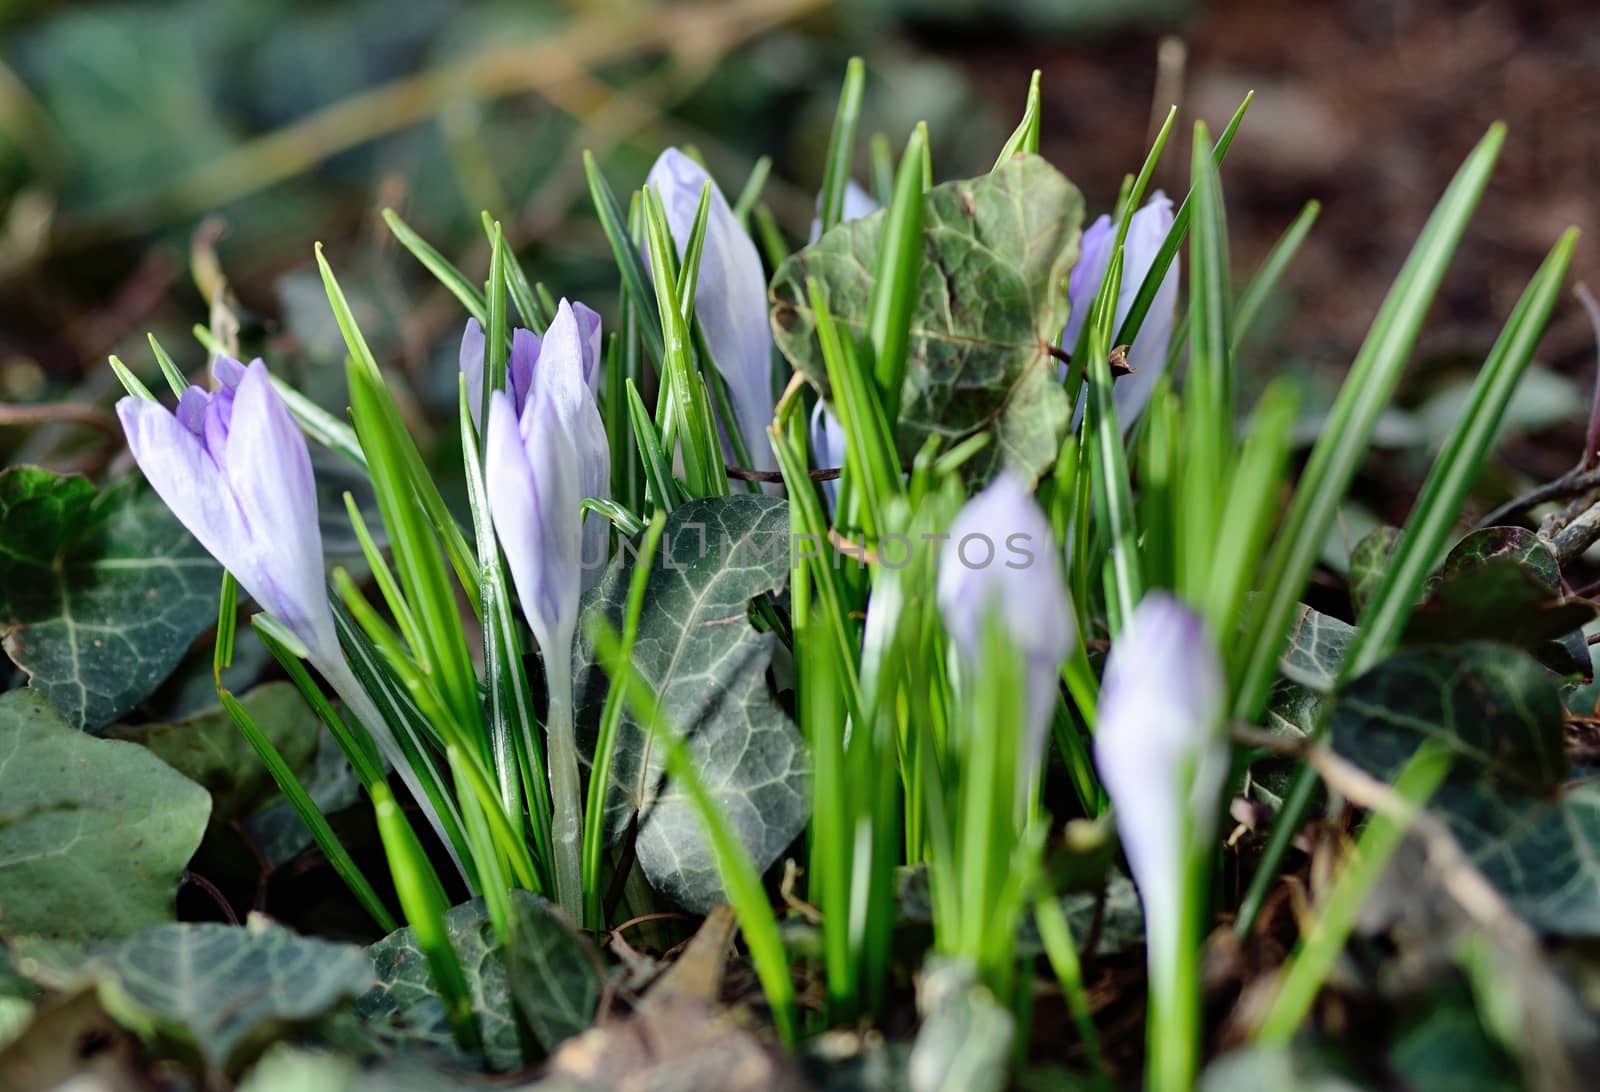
[525,348]
[589,329]
[228,372]
[184,475]
[1147,356]
[1094,255]
[533,500]
[857,203]
[1001,557]
[730,296]
[268,468]
[472,368]
[1161,752]
[192,409]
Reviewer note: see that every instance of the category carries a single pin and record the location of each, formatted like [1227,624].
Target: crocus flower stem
[566,798]
[359,704]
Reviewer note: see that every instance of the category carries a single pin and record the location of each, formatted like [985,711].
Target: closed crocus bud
[1162,752]
[730,297]
[567,369]
[233,466]
[1147,356]
[566,364]
[1001,560]
[534,486]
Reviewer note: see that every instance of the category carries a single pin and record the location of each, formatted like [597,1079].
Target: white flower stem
[566,804]
[360,705]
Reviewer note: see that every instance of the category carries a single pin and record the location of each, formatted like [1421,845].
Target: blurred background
[141,142]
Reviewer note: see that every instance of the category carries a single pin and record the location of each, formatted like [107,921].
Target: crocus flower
[566,361]
[730,297]
[1162,752]
[540,464]
[1147,356]
[233,466]
[1000,559]
[525,348]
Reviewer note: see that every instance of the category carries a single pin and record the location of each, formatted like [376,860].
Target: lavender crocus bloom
[566,362]
[233,466]
[1162,754]
[1147,356]
[857,203]
[730,297]
[1001,558]
[540,464]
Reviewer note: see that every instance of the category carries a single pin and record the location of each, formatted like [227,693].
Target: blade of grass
[445,273]
[1025,137]
[738,871]
[842,145]
[610,723]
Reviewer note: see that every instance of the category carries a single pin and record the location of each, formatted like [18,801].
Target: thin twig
[216,895]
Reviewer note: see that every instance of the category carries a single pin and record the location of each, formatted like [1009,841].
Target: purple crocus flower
[566,361]
[1162,754]
[730,297]
[1001,559]
[1147,356]
[234,468]
[525,349]
[541,460]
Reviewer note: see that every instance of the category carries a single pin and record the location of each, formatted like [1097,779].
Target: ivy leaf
[1368,562]
[1504,584]
[222,987]
[1498,712]
[707,665]
[100,592]
[990,303]
[1536,840]
[93,833]
[554,978]
[1317,643]
[208,748]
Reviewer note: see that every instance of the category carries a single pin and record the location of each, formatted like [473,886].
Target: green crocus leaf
[707,663]
[208,748]
[101,591]
[990,303]
[550,973]
[93,833]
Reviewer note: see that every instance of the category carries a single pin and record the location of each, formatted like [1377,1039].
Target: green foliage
[988,308]
[207,748]
[93,833]
[548,972]
[223,988]
[101,591]
[695,642]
